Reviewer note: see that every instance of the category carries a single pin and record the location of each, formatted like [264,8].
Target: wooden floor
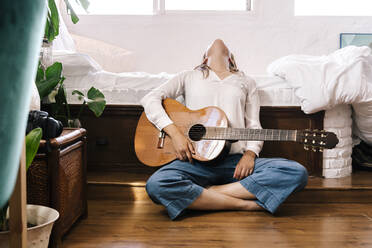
[359,179]
[121,215]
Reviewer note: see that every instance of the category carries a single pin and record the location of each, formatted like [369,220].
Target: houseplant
[22,26]
[49,79]
[40,219]
[51,30]
[49,82]
[32,144]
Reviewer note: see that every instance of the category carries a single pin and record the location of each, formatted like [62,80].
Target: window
[116,7]
[149,7]
[220,5]
[333,8]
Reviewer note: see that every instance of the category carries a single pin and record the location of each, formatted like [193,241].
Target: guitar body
[146,140]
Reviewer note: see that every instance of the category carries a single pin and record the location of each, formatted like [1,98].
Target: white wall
[176,42]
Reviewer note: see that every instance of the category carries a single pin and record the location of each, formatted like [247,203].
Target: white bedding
[323,82]
[129,88]
[82,72]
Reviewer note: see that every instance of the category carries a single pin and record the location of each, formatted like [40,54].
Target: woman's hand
[183,147]
[245,165]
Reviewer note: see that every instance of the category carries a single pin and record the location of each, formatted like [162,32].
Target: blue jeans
[179,183]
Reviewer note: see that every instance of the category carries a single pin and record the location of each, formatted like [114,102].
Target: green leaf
[94,94]
[46,86]
[54,17]
[52,22]
[97,101]
[70,10]
[32,144]
[74,17]
[79,93]
[40,73]
[54,71]
[53,77]
[49,32]
[61,95]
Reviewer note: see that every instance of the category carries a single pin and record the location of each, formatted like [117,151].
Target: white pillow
[111,58]
[75,64]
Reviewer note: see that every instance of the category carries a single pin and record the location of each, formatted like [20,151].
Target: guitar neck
[219,133]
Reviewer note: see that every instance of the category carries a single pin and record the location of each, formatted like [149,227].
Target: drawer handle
[101,141]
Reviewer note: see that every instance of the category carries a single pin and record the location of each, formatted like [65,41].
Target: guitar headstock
[317,140]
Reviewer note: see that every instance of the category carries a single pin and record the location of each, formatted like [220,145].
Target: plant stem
[81,109]
[68,111]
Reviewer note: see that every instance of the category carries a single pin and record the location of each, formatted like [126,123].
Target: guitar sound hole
[197,132]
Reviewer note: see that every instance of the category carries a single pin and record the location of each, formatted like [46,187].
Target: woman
[240,181]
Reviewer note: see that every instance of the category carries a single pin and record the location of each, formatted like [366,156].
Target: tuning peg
[321,143]
[306,147]
[305,140]
[313,141]
[320,149]
[313,149]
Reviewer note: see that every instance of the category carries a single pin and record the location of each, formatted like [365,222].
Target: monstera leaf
[48,80]
[96,101]
[52,23]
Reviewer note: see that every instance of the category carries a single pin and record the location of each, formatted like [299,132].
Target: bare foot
[212,200]
[252,206]
[233,189]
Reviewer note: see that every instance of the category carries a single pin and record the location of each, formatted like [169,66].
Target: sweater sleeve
[152,102]
[252,116]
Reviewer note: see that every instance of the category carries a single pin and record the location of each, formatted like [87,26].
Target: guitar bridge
[161,140]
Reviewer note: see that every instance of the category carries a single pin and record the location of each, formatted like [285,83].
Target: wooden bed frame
[110,137]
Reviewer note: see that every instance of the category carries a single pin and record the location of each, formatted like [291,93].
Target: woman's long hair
[203,67]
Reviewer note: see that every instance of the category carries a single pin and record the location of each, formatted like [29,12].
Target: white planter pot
[38,236]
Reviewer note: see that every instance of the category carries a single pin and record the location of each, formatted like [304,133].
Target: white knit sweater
[236,95]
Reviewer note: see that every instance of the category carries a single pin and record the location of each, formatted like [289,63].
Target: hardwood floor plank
[139,176]
[328,213]
[126,217]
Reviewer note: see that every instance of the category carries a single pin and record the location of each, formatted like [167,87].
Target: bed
[123,92]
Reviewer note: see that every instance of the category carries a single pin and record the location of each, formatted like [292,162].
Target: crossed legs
[232,196]
[181,185]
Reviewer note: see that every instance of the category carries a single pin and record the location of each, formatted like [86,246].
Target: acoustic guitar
[208,130]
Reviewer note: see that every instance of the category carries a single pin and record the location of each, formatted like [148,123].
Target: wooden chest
[57,178]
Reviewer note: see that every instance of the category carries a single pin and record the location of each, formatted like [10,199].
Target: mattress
[129,88]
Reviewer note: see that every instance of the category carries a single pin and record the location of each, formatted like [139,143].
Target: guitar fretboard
[218,133]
